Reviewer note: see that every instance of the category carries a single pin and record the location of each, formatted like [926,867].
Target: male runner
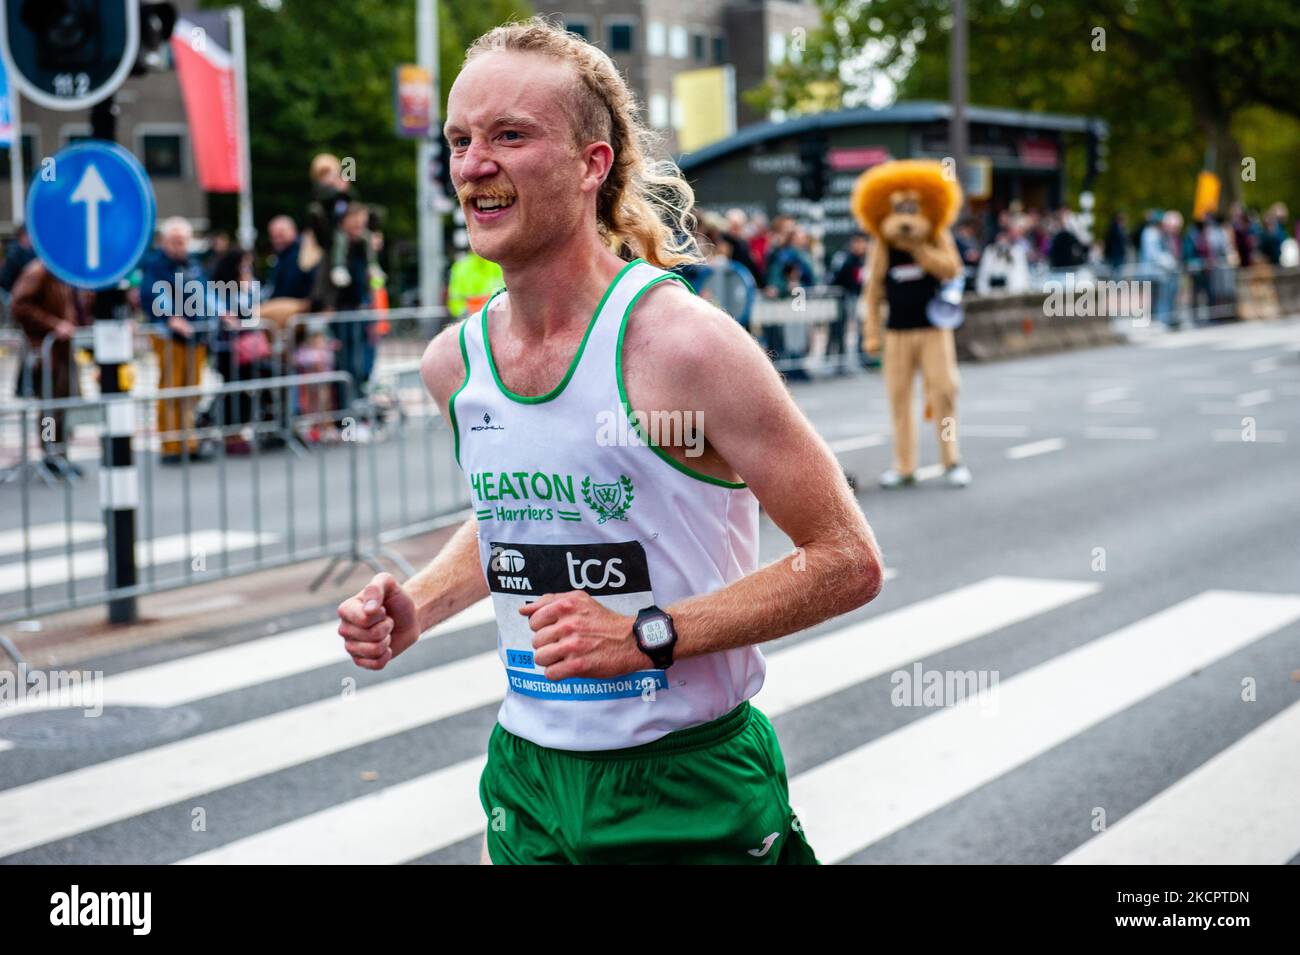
[624,574]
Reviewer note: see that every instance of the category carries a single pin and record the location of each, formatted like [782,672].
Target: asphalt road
[1123,575]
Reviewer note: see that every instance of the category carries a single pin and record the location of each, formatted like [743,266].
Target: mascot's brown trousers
[934,352]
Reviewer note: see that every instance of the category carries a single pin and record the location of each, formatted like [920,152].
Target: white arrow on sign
[92,191]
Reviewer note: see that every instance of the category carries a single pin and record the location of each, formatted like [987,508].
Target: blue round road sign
[92,218]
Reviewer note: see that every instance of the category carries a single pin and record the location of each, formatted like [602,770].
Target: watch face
[654,634]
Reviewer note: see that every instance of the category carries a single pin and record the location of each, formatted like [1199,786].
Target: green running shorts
[715,793]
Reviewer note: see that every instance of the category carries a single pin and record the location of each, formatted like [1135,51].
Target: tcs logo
[582,577]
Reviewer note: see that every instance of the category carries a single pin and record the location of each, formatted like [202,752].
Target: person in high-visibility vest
[472,282]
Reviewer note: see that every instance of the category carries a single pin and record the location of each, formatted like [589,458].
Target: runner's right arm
[386,618]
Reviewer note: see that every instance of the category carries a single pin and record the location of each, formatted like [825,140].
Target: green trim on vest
[451,402]
[573,365]
[627,408]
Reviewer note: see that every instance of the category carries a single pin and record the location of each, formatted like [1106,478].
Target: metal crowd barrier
[389,473]
[250,516]
[1195,293]
[798,330]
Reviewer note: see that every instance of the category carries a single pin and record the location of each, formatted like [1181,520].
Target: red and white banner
[207,76]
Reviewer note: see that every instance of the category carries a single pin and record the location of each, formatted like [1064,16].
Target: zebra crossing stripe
[797,675]
[824,665]
[435,809]
[69,803]
[864,795]
[45,536]
[91,563]
[1241,807]
[254,662]
[155,778]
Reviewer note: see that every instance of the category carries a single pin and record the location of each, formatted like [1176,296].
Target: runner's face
[512,146]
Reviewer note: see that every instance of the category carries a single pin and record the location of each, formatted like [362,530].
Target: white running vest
[568,496]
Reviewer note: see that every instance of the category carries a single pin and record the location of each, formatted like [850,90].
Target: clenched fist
[378,623]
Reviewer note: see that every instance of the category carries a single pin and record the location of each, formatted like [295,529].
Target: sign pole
[430,215]
[118,481]
[89,224]
[247,231]
[957,129]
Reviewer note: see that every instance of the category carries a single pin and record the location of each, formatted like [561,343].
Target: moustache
[468,194]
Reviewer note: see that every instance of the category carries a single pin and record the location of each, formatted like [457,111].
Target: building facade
[1014,157]
[652,41]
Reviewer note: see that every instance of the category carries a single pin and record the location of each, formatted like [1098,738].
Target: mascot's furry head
[905,198]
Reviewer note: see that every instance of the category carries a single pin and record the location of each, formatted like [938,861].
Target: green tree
[1181,83]
[320,78]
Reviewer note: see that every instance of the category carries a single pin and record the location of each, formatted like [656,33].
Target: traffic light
[66,33]
[157,20]
[813,178]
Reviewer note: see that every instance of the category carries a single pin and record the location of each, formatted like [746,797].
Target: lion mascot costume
[907,206]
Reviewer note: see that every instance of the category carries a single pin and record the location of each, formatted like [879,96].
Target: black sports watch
[655,636]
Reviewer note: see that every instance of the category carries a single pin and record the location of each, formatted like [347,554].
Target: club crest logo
[608,500]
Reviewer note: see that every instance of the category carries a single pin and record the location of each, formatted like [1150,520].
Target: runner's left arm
[751,420]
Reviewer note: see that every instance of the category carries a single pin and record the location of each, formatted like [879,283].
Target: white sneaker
[957,476]
[892,479]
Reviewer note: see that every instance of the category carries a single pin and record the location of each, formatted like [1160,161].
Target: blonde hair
[323,163]
[643,208]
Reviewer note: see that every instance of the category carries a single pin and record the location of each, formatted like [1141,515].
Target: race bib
[615,574]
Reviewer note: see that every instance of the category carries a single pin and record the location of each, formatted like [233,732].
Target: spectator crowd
[208,310]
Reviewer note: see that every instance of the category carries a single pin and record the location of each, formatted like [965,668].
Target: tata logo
[507,561]
[581,575]
[508,564]
[487,424]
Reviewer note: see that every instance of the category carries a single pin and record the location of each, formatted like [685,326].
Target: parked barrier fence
[362,466]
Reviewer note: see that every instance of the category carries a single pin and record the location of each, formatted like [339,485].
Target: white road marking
[1101,432]
[44,536]
[1105,395]
[60,806]
[92,563]
[998,404]
[864,795]
[992,430]
[1263,436]
[1215,387]
[1118,407]
[237,667]
[1252,398]
[853,444]
[1034,448]
[1239,808]
[798,675]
